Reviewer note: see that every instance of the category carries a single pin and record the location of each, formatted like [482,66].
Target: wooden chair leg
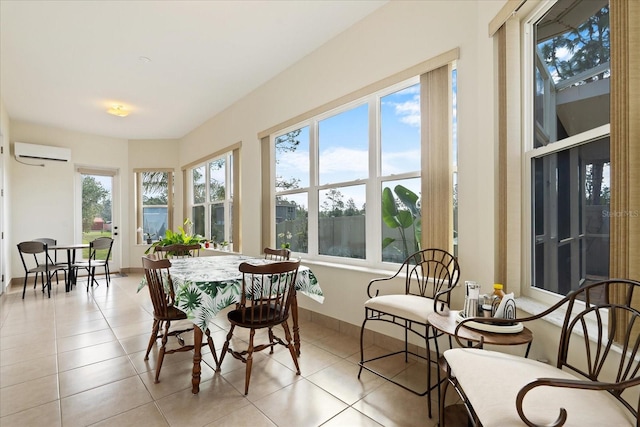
[152,338]
[225,348]
[249,362]
[211,346]
[292,349]
[165,337]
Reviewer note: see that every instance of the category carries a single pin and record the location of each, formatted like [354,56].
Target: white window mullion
[313,218]
[373,212]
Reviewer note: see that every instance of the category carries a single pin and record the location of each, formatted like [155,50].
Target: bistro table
[71,259]
[206,285]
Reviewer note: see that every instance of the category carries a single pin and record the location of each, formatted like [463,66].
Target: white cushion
[410,307]
[491,380]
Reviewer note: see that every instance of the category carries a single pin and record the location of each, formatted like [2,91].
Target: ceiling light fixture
[118,110]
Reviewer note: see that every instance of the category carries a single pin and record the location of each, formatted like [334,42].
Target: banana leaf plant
[404,220]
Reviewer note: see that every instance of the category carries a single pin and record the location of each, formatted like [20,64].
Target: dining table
[206,285]
[71,259]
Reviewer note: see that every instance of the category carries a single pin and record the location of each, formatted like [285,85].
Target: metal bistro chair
[39,265]
[52,260]
[277,254]
[265,299]
[90,264]
[429,277]
[164,312]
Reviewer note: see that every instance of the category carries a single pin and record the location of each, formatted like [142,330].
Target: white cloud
[341,159]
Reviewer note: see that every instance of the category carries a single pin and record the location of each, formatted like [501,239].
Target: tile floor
[77,360]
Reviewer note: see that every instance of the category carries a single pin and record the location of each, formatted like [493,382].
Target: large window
[348,183]
[568,147]
[211,200]
[155,204]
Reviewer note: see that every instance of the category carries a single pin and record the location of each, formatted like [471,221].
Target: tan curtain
[625,149]
[437,181]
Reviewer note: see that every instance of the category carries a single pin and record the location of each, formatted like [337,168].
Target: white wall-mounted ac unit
[41,152]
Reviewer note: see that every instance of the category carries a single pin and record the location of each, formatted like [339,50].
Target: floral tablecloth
[206,285]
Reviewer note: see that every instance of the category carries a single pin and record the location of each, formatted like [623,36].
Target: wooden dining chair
[282,254]
[164,311]
[104,244]
[265,300]
[178,250]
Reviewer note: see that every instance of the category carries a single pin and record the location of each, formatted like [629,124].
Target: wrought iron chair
[164,312]
[265,300]
[178,250]
[282,254]
[596,362]
[40,265]
[92,262]
[429,277]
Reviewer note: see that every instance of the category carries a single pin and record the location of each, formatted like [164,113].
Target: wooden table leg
[197,357]
[296,328]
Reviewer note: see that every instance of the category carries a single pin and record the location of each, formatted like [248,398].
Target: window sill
[351,267]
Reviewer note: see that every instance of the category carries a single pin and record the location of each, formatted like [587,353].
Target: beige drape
[625,142]
[436,178]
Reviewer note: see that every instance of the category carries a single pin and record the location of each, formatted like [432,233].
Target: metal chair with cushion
[265,300]
[282,254]
[39,265]
[593,380]
[103,244]
[422,285]
[164,312]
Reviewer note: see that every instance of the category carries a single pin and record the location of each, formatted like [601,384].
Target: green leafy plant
[181,237]
[402,219]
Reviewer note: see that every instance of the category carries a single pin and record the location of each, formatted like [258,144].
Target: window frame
[227,202]
[140,240]
[529,60]
[373,182]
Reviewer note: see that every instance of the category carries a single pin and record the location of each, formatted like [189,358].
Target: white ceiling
[63,63]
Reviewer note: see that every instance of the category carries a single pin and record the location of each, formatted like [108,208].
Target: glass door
[97,212]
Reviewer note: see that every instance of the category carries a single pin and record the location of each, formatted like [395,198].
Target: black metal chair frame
[594,302]
[429,273]
[91,263]
[35,248]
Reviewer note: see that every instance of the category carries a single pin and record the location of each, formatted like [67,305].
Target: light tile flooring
[77,359]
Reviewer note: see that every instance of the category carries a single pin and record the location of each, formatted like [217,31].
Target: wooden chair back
[282,254]
[161,291]
[267,292]
[178,250]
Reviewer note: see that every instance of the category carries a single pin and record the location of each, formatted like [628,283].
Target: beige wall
[396,37]
[5,249]
[43,199]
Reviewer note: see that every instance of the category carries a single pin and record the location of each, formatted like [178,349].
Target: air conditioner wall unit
[41,152]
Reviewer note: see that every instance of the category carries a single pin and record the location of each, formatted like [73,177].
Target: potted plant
[179,237]
[149,237]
